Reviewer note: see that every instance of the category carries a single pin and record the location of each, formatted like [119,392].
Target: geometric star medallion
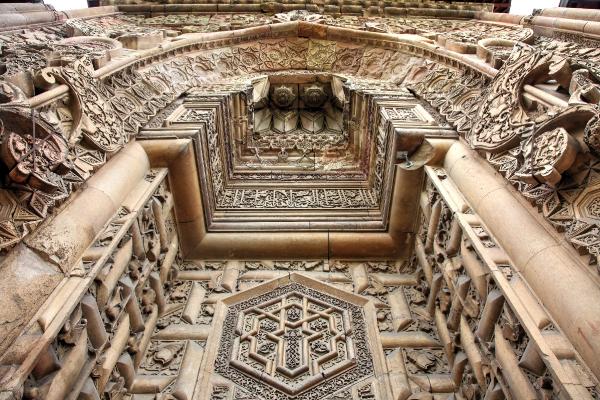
[292,338]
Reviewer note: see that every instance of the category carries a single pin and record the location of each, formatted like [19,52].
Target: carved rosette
[283,96]
[552,153]
[314,96]
[34,153]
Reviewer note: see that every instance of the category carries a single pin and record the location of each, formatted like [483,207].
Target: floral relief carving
[277,54]
[548,152]
[321,55]
[501,120]
[454,93]
[347,58]
[98,120]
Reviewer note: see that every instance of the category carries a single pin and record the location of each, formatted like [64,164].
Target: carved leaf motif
[501,120]
[98,120]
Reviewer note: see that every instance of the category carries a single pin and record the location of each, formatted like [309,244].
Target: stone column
[549,266]
[66,236]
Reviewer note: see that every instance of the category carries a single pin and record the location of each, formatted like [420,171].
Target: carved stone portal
[287,339]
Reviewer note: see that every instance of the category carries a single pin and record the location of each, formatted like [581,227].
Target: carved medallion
[34,155]
[587,205]
[314,96]
[294,341]
[552,153]
[283,96]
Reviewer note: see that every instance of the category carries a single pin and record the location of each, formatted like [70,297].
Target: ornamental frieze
[124,106]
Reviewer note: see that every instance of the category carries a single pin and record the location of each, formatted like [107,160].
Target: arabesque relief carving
[267,200]
[545,148]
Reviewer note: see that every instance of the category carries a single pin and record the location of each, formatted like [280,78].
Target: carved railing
[89,338]
[499,340]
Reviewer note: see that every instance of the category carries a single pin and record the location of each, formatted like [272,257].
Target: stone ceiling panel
[254,171]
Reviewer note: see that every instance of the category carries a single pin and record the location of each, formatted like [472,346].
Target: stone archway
[161,210]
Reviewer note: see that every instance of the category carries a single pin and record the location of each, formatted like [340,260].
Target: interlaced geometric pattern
[294,343]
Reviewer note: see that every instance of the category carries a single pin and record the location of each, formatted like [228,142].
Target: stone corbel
[412,150]
[415,149]
[260,91]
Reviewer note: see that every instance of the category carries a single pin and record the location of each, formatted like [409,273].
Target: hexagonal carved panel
[295,341]
[587,204]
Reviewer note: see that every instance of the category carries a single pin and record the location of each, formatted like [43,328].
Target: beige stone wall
[484,283]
